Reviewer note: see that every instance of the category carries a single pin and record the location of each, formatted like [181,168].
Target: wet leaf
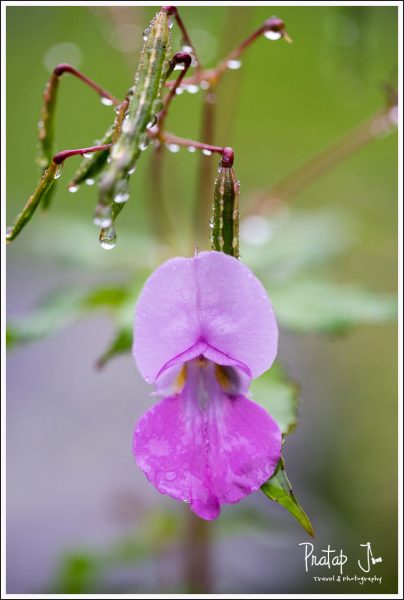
[279,489]
[279,396]
[321,306]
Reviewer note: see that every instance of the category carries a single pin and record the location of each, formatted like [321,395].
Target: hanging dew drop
[179,91]
[144,142]
[121,197]
[132,170]
[192,88]
[207,152]
[108,238]
[72,188]
[191,149]
[272,35]
[106,101]
[204,85]
[146,33]
[233,64]
[87,154]
[152,122]
[179,67]
[90,181]
[174,148]
[186,48]
[58,171]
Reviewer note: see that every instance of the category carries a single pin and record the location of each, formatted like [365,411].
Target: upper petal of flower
[211,301]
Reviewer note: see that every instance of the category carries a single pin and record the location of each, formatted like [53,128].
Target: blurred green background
[80,516]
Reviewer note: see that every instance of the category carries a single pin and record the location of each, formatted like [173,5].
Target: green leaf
[279,396]
[120,344]
[320,306]
[279,489]
[65,306]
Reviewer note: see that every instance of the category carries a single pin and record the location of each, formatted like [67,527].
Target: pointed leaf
[279,489]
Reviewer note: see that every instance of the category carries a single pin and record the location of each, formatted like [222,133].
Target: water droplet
[206,152]
[157,105]
[102,216]
[146,33]
[170,22]
[233,64]
[179,67]
[127,126]
[179,91]
[106,101]
[152,122]
[132,170]
[144,142]
[90,181]
[186,48]
[58,171]
[171,475]
[72,188]
[87,154]
[109,159]
[173,147]
[121,197]
[204,85]
[187,501]
[191,149]
[108,238]
[272,35]
[192,88]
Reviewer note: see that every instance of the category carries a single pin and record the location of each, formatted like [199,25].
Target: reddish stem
[61,156]
[226,152]
[179,58]
[172,10]
[66,68]
[213,75]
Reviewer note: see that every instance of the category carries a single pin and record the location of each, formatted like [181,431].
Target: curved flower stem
[286,189]
[179,58]
[172,10]
[274,25]
[197,567]
[47,180]
[61,156]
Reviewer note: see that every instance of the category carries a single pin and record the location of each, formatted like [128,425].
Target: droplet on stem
[207,152]
[233,64]
[192,88]
[72,188]
[108,238]
[90,181]
[58,171]
[173,147]
[272,35]
[106,101]
[87,154]
[191,149]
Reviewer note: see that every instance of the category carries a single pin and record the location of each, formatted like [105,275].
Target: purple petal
[212,299]
[207,455]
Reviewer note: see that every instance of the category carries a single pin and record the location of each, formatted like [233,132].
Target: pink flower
[204,328]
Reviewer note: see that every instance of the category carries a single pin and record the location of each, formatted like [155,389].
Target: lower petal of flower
[206,447]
